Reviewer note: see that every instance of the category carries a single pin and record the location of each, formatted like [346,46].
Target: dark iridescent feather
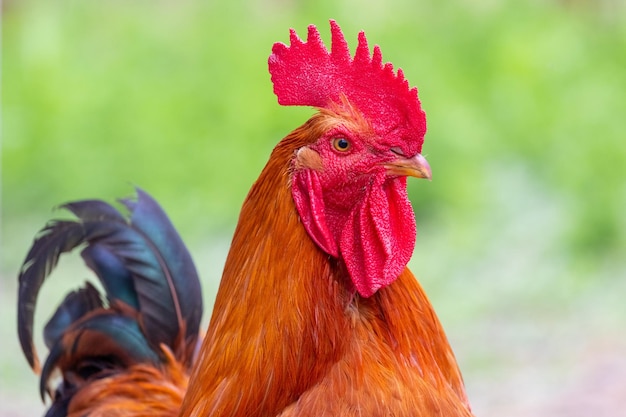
[150,281]
[76,305]
[113,273]
[53,240]
[150,219]
[97,210]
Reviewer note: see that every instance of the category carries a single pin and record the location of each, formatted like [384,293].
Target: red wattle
[378,239]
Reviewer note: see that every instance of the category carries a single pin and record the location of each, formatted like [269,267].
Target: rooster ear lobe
[309,199]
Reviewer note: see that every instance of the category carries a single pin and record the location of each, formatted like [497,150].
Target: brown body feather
[290,337]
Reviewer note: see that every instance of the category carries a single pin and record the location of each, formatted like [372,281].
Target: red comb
[307,74]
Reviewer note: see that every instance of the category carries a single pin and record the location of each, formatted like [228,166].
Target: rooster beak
[416,166]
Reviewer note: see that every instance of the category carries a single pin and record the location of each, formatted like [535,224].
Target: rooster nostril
[397,150]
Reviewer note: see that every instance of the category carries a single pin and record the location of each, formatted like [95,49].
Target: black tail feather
[76,305]
[153,293]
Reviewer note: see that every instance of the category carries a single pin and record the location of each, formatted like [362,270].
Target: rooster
[317,313]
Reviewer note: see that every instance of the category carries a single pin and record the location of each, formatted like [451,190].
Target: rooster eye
[341,144]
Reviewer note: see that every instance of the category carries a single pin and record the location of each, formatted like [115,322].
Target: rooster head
[349,183]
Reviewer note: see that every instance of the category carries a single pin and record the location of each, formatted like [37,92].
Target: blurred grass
[525,103]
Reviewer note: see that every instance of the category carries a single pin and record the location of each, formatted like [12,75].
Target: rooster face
[349,187]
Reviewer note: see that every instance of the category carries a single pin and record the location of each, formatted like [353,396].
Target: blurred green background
[522,232]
